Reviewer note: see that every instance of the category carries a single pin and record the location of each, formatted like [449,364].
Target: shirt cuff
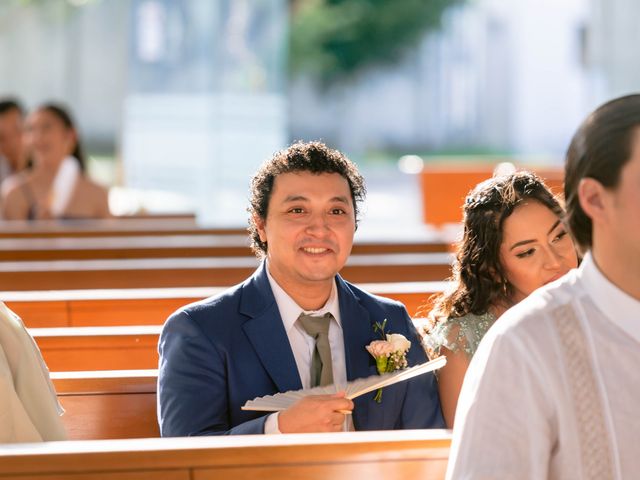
[271,424]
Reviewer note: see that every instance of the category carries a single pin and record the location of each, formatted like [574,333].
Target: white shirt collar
[619,307]
[290,310]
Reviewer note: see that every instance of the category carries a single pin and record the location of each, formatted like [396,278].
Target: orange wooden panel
[120,475]
[99,352]
[172,277]
[121,307]
[343,456]
[444,188]
[414,302]
[107,382]
[110,416]
[42,313]
[209,271]
[124,311]
[424,469]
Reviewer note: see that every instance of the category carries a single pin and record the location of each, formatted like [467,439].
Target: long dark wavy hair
[479,280]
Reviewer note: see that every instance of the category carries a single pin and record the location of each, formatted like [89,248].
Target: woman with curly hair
[514,242]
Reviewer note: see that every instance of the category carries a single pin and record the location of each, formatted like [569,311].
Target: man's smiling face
[308,229]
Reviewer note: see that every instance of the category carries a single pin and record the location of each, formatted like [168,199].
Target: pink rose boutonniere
[390,352]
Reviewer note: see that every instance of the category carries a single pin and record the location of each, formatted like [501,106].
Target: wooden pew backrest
[108,404]
[152,306]
[98,348]
[445,186]
[211,271]
[392,455]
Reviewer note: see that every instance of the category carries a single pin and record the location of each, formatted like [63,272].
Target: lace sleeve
[447,334]
[458,334]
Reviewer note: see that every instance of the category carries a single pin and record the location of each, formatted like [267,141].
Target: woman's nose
[553,259]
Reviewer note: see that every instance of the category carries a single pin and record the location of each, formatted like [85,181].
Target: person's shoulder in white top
[29,408]
[506,419]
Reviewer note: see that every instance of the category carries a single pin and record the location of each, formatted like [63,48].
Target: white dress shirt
[303,345]
[554,388]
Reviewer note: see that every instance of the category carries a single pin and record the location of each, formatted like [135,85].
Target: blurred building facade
[206,99]
[613,37]
[192,94]
[499,76]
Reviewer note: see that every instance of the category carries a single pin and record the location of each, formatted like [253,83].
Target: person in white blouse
[553,389]
[29,408]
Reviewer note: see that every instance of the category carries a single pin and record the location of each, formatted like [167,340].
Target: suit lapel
[358,332]
[266,332]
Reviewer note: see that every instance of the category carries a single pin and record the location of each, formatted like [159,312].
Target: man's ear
[259,222]
[593,198]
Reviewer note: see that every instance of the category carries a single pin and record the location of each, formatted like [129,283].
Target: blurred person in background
[13,154]
[56,187]
[514,242]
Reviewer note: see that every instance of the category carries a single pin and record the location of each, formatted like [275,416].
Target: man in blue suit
[250,340]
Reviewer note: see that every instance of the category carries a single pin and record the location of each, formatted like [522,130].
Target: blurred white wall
[53,51]
[614,36]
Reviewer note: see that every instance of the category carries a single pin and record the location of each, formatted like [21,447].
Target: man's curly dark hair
[478,276]
[314,157]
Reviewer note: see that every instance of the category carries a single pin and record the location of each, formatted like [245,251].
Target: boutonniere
[390,352]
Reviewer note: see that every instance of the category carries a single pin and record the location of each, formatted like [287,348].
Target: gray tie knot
[315,325]
[318,329]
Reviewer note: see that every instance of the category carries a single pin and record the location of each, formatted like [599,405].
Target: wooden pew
[98,348]
[112,307]
[201,271]
[103,348]
[108,404]
[393,455]
[174,246]
[445,186]
[120,226]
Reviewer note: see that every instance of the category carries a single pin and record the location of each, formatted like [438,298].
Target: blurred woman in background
[57,186]
[514,242]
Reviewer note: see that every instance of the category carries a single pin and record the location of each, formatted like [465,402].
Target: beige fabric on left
[29,408]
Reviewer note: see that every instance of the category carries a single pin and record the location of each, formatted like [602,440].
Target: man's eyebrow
[295,198]
[298,198]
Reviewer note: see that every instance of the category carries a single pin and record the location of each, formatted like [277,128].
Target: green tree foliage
[334,39]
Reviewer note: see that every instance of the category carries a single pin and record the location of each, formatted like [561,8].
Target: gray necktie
[318,329]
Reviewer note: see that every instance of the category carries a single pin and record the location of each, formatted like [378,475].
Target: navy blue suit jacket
[220,352]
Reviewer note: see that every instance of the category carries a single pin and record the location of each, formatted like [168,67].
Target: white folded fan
[360,386]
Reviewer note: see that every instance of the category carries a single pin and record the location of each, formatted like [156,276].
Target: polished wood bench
[119,226]
[174,246]
[392,455]
[108,404]
[98,348]
[203,271]
[151,306]
[102,348]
